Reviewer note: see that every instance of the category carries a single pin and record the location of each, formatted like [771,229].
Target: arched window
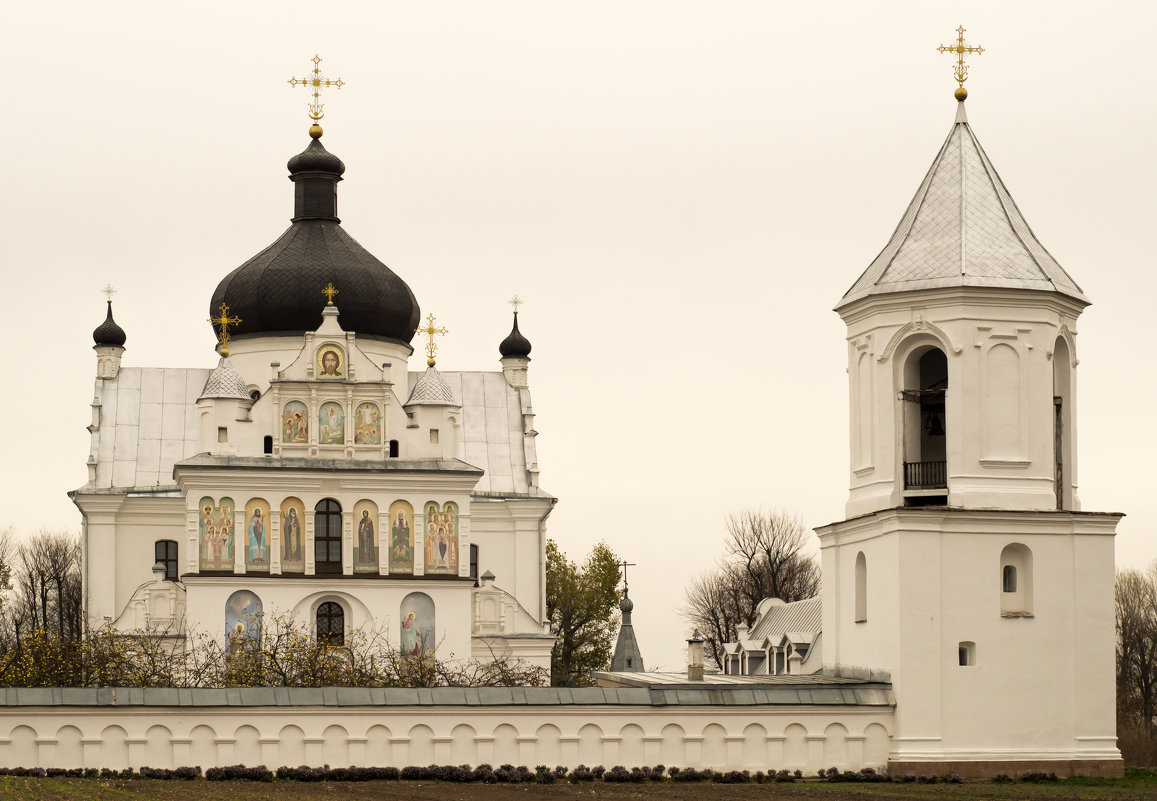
[924,425]
[967,654]
[861,588]
[327,537]
[165,553]
[267,444]
[474,564]
[393,449]
[330,624]
[1016,581]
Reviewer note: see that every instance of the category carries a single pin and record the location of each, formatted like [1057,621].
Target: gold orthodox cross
[224,320]
[108,292]
[329,292]
[315,84]
[516,302]
[431,331]
[960,71]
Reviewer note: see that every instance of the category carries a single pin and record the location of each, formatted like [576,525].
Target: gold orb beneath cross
[960,94]
[315,131]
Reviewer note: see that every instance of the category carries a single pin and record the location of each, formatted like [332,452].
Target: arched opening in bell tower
[1063,462]
[924,429]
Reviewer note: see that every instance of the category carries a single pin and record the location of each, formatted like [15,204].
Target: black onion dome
[279,289]
[316,158]
[515,344]
[108,333]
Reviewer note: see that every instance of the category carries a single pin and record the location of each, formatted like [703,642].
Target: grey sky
[680,191]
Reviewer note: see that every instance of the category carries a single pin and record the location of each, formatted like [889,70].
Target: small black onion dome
[108,333]
[626,605]
[315,158]
[278,291]
[515,344]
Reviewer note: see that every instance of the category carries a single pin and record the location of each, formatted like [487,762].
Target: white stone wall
[724,738]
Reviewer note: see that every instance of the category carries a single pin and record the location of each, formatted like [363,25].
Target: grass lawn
[1137,784]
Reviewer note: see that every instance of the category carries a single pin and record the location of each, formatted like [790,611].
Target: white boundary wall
[748,737]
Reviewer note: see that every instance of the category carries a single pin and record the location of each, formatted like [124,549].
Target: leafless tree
[1136,608]
[764,557]
[46,587]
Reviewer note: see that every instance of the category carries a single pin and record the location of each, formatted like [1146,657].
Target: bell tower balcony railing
[925,475]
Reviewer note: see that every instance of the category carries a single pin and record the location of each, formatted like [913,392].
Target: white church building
[311,473]
[966,621]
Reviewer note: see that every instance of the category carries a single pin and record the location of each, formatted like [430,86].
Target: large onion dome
[108,333]
[279,289]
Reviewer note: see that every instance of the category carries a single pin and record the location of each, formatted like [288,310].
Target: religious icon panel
[215,529]
[242,622]
[331,424]
[401,543]
[441,539]
[257,536]
[365,537]
[331,361]
[417,616]
[295,423]
[368,425]
[292,536]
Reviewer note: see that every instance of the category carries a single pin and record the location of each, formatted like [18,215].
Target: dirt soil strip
[28,789]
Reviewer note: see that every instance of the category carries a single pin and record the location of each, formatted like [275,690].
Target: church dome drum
[279,290]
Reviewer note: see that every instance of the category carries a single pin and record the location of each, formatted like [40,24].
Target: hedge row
[504,774]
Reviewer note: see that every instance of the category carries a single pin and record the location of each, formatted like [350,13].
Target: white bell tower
[965,567]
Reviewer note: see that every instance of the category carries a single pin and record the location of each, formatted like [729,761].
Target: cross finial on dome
[516,302]
[431,331]
[960,70]
[624,565]
[224,320]
[108,292]
[315,84]
[329,292]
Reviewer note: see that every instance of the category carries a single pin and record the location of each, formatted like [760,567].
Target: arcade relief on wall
[441,539]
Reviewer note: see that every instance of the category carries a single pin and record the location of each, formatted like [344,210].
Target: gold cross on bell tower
[960,70]
[329,292]
[431,331]
[314,84]
[224,320]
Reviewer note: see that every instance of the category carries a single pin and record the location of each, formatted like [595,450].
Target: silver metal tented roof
[962,229]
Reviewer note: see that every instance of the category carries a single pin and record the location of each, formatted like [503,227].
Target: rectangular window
[165,553]
[433,436]
[222,434]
